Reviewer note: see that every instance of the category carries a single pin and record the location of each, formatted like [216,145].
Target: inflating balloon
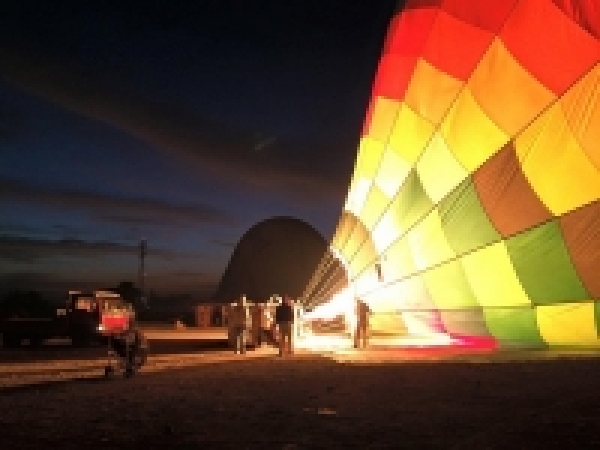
[473,207]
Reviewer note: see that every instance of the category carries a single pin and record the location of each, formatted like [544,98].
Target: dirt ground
[314,402]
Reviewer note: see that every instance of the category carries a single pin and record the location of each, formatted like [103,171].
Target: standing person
[239,324]
[284,318]
[266,326]
[362,324]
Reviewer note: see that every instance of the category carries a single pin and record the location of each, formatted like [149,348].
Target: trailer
[86,318]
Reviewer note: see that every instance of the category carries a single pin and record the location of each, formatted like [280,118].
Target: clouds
[112,208]
[266,95]
[34,264]
[12,124]
[39,256]
[222,150]
[28,250]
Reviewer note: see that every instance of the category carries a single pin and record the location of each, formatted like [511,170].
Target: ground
[375,400]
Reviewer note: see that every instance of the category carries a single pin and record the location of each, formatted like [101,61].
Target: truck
[86,318]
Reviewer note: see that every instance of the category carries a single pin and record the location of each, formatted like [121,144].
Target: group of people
[277,330]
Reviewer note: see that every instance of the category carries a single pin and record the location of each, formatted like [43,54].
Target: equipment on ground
[127,353]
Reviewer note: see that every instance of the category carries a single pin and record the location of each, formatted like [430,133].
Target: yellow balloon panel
[387,230]
[392,173]
[438,169]
[510,97]
[428,243]
[581,106]
[365,256]
[558,170]
[471,135]
[359,189]
[400,214]
[431,91]
[448,288]
[370,153]
[387,298]
[374,206]
[384,115]
[397,261]
[410,134]
[387,324]
[408,297]
[493,279]
[567,323]
[366,281]
[359,235]
[412,295]
[343,229]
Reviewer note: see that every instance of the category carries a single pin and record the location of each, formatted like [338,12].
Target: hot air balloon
[473,208]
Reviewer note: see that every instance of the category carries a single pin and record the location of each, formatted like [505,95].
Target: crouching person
[138,350]
[129,350]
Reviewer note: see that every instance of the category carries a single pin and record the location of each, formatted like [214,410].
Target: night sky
[184,126]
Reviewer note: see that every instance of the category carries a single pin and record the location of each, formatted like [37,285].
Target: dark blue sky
[183,125]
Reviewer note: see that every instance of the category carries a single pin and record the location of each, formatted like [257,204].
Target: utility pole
[142,271]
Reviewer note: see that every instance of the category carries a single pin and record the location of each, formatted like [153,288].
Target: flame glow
[341,303]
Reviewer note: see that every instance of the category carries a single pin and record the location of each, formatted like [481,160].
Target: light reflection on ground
[337,348]
[334,341]
[429,348]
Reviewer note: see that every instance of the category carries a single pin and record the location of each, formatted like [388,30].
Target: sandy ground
[368,400]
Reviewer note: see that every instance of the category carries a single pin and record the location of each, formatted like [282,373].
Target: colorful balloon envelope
[473,208]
